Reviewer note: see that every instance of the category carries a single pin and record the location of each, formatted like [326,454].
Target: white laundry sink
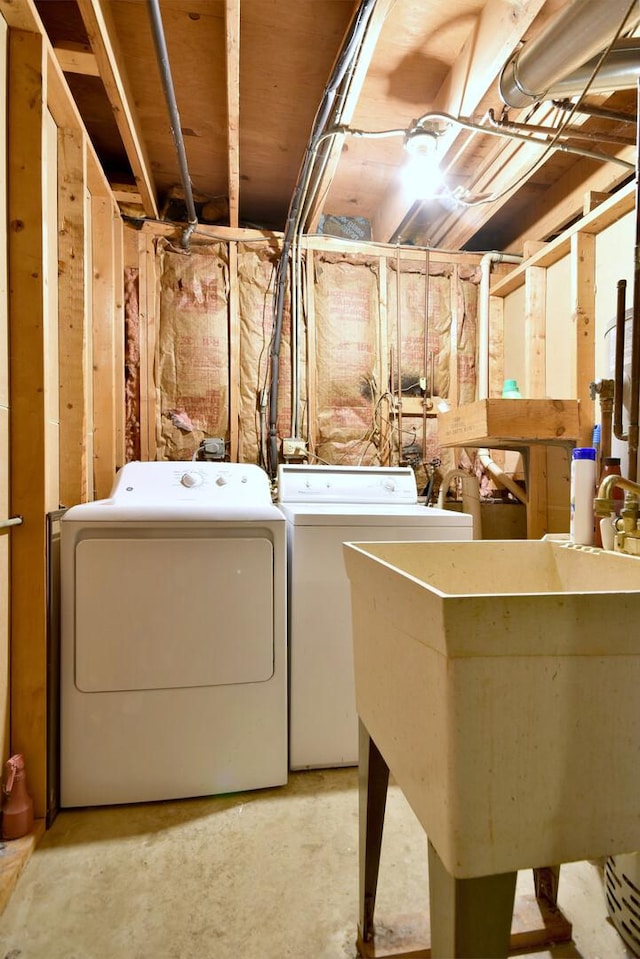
[501,682]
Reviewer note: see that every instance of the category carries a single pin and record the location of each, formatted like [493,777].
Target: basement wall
[358,335]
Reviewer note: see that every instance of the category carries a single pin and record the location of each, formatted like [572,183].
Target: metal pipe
[621,315]
[580,32]
[162,55]
[13,521]
[619,71]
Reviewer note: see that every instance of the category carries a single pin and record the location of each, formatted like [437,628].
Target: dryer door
[169,613]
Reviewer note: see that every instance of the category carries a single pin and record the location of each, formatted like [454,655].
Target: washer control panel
[191,482]
[301,483]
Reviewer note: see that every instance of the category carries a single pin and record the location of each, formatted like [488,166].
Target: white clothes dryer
[326,506]
[173,636]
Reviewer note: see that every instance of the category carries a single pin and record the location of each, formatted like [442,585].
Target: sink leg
[470,918]
[373,779]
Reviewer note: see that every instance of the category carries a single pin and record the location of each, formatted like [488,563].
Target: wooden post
[28,442]
[72,330]
[312,389]
[147,313]
[535,388]
[583,306]
[103,309]
[234,353]
[118,334]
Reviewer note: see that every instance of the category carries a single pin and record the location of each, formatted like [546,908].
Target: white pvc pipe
[502,478]
[484,294]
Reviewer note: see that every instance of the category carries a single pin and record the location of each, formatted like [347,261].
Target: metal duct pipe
[176,130]
[620,71]
[581,32]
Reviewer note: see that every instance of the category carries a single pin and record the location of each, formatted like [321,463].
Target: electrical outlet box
[294,448]
[213,448]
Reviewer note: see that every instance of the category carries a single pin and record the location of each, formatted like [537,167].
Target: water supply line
[555,62]
[484,295]
[470,496]
[162,56]
[618,391]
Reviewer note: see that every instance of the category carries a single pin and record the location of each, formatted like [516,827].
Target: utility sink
[500,680]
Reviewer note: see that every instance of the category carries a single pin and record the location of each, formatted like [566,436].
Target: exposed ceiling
[251,75]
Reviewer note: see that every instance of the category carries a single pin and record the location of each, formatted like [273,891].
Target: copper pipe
[621,310]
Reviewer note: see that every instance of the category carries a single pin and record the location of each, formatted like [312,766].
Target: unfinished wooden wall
[361,329]
[5,534]
[62,402]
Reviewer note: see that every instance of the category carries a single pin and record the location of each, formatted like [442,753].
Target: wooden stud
[592,199]
[118,336]
[149,412]
[583,296]
[26,242]
[234,354]
[143,369]
[312,388]
[102,322]
[72,330]
[76,58]
[535,331]
[232,49]
[535,387]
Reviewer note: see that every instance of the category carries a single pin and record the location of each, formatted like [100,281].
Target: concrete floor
[265,875]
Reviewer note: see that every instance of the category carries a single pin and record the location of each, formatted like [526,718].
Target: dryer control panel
[191,482]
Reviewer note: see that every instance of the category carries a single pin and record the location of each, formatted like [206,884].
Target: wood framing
[234,353]
[232,51]
[72,330]
[102,326]
[583,296]
[97,21]
[118,335]
[28,445]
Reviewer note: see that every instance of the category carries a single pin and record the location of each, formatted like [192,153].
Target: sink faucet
[627,533]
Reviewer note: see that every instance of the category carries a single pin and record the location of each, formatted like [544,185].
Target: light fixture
[421,175]
[420,142]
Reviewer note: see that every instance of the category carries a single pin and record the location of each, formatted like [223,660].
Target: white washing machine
[326,506]
[173,658]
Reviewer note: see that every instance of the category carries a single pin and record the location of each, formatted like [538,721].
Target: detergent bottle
[17,804]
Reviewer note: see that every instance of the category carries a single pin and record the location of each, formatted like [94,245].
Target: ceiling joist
[102,37]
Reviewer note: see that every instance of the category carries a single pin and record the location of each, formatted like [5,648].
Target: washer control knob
[190,479]
[389,485]
[221,481]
